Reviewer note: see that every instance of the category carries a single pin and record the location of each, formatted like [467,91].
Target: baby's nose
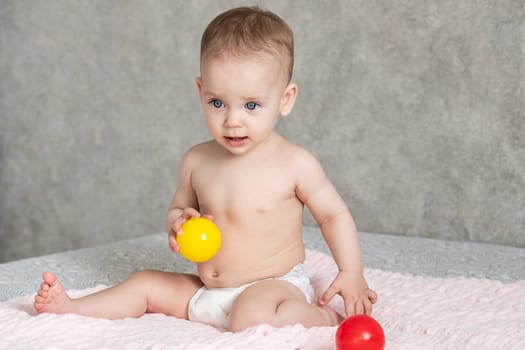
[233,120]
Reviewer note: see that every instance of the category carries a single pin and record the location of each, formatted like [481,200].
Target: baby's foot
[52,297]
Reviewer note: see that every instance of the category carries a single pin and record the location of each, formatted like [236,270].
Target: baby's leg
[278,303]
[145,291]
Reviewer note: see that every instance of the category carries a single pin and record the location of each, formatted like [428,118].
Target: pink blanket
[415,312]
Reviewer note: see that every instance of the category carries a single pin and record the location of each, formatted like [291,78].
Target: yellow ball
[200,239]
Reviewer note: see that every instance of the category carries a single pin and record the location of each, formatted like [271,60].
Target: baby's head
[248,32]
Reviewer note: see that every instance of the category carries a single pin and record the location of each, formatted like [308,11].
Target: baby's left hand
[352,286]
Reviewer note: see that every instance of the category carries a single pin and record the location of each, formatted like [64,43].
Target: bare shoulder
[200,152]
[301,159]
[308,172]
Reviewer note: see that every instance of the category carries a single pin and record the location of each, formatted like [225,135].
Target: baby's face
[242,99]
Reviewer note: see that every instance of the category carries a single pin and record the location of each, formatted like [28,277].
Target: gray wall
[415,108]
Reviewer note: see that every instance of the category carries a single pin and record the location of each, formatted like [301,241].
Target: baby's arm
[339,230]
[184,204]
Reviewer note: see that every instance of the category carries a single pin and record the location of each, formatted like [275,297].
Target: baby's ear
[288,99]
[198,82]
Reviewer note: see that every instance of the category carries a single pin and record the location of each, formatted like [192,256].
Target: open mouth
[236,138]
[236,141]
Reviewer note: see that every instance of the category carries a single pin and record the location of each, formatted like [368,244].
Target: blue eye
[217,103]
[252,105]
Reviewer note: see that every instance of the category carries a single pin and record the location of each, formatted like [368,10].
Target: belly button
[215,274]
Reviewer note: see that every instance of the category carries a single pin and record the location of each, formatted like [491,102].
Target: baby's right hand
[176,228]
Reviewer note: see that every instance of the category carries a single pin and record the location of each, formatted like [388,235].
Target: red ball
[360,332]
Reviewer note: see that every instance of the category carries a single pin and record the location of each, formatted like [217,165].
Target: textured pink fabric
[416,313]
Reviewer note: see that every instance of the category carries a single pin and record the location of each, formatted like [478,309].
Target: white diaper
[213,305]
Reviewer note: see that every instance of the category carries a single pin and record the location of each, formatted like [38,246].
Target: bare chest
[235,191]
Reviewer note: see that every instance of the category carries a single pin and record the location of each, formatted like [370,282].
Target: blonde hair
[246,31]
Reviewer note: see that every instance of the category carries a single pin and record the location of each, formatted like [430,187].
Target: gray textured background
[415,108]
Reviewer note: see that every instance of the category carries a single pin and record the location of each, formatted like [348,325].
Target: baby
[254,184]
